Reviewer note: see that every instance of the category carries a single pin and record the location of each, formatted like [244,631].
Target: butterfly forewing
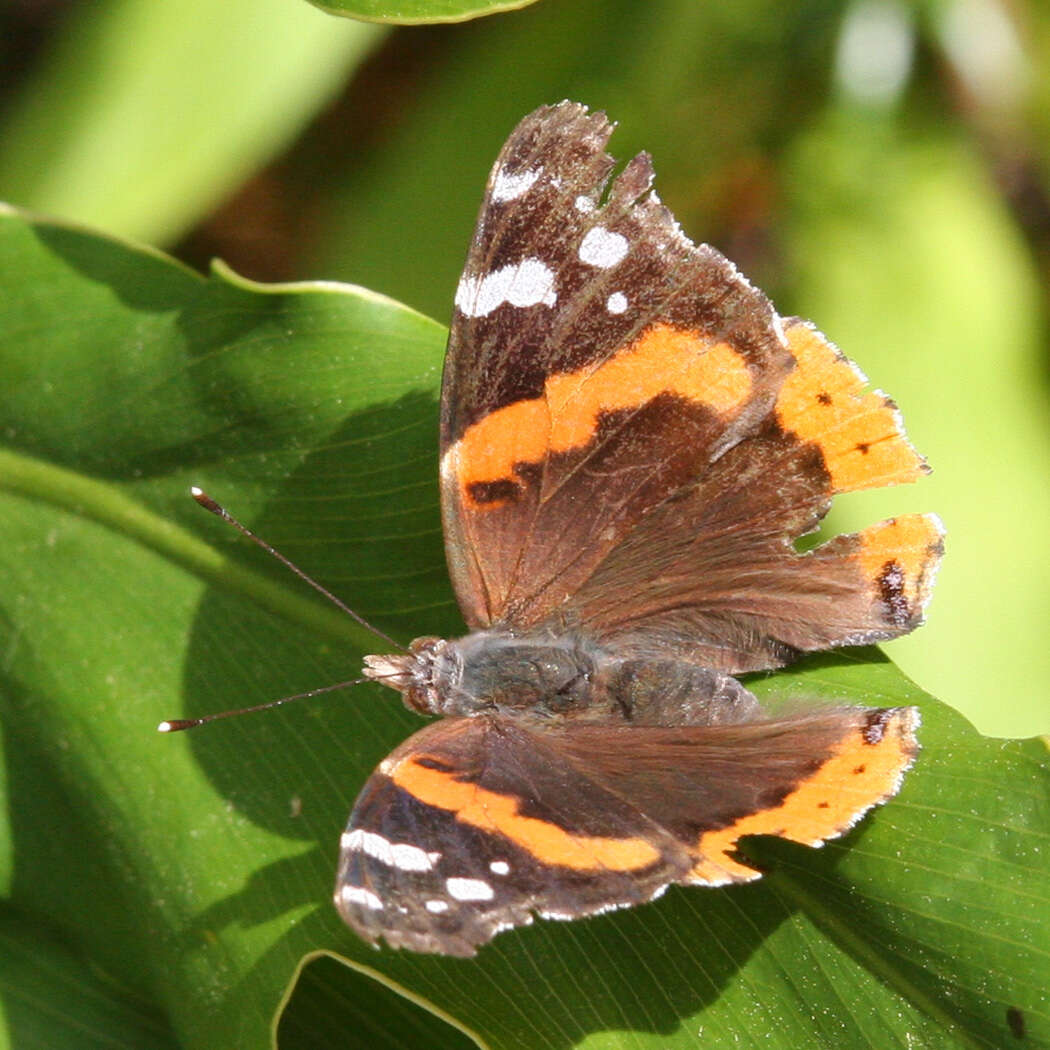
[475,825]
[598,362]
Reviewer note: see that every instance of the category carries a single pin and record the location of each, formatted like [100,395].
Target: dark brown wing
[474,825]
[712,575]
[598,362]
[808,778]
[624,451]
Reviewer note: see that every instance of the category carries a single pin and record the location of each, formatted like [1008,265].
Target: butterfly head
[417,674]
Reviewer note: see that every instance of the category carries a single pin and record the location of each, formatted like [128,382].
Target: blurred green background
[879,167]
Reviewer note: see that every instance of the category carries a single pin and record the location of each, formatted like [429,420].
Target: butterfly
[631,441]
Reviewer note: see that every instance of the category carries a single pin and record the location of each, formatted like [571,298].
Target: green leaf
[49,997]
[143,115]
[195,871]
[331,1000]
[126,380]
[416,12]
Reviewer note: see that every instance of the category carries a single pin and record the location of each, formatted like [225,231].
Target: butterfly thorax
[490,671]
[557,677]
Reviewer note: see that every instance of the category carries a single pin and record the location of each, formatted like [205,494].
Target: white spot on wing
[584,204]
[401,855]
[508,186]
[528,283]
[436,907]
[359,895]
[616,303]
[499,867]
[469,889]
[603,248]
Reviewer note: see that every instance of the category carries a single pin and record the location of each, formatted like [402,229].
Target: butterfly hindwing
[731,591]
[476,825]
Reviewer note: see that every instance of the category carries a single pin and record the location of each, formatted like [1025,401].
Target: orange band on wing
[858,775]
[901,555]
[546,842]
[823,401]
[662,360]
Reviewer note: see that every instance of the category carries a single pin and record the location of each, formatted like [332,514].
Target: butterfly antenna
[221,512]
[175,725]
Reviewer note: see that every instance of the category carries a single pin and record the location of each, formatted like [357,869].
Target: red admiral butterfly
[631,440]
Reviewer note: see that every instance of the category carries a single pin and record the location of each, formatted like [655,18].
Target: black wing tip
[564,121]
